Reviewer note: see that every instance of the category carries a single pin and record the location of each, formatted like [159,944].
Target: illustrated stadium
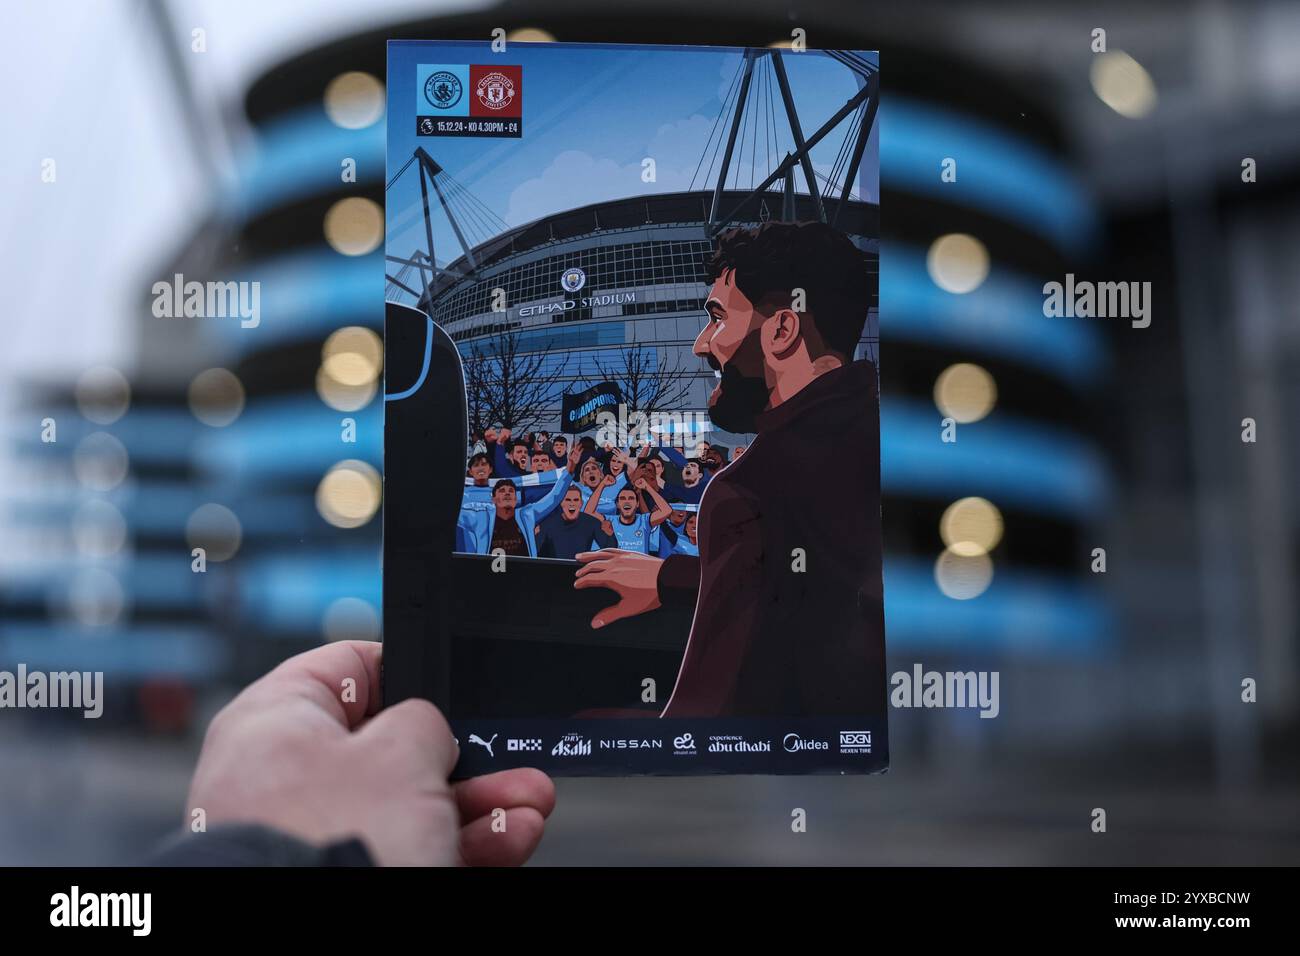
[635,303]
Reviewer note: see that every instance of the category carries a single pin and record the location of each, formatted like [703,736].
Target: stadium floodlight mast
[430,172]
[868,94]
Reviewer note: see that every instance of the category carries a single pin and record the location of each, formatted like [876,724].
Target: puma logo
[485,744]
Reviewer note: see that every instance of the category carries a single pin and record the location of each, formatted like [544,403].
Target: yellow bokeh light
[957,263]
[529,35]
[963,576]
[348,496]
[965,392]
[354,226]
[354,100]
[1123,84]
[971,526]
[352,356]
[216,397]
[344,398]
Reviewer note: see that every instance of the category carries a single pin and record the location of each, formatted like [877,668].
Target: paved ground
[63,801]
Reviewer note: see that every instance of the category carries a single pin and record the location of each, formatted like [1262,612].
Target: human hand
[575,456]
[633,577]
[306,750]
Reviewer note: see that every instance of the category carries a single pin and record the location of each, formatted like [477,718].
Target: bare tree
[509,386]
[648,385]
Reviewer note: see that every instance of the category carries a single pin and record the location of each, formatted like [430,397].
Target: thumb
[615,612]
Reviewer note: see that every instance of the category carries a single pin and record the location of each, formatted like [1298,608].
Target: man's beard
[740,397]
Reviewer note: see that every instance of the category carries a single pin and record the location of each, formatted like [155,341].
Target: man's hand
[632,576]
[575,456]
[306,750]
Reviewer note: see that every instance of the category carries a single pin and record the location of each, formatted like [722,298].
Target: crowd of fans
[538,495]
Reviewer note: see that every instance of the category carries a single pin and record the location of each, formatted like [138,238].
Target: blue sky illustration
[591,115]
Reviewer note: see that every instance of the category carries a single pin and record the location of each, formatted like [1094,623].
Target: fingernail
[598,623]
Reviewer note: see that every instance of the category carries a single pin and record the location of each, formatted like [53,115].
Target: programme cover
[632,455]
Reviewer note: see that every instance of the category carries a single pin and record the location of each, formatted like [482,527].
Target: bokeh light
[957,263]
[103,394]
[971,526]
[965,392]
[100,461]
[344,398]
[95,597]
[348,496]
[353,355]
[354,226]
[1123,84]
[354,100]
[216,397]
[216,530]
[529,35]
[350,619]
[98,528]
[963,576]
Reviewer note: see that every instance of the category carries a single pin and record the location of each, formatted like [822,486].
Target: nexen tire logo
[793,743]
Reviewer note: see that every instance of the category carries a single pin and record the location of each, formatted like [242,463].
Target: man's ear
[781,332]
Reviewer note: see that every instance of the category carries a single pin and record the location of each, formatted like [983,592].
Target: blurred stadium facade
[1072,434]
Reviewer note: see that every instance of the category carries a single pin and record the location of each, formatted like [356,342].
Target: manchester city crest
[573,279]
[443,90]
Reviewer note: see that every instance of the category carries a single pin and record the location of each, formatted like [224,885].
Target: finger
[523,787]
[594,575]
[341,678]
[604,554]
[418,722]
[615,612]
[480,845]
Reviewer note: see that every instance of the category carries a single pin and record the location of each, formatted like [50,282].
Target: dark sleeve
[729,611]
[679,580]
[249,844]
[598,533]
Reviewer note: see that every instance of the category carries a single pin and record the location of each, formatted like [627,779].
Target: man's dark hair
[476,457]
[501,484]
[559,438]
[775,258]
[515,442]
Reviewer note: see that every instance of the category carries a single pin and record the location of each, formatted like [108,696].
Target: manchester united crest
[495,91]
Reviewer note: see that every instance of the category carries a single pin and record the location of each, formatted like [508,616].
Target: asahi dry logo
[736,744]
[572,745]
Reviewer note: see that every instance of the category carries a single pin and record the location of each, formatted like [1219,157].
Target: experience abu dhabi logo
[41,690]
